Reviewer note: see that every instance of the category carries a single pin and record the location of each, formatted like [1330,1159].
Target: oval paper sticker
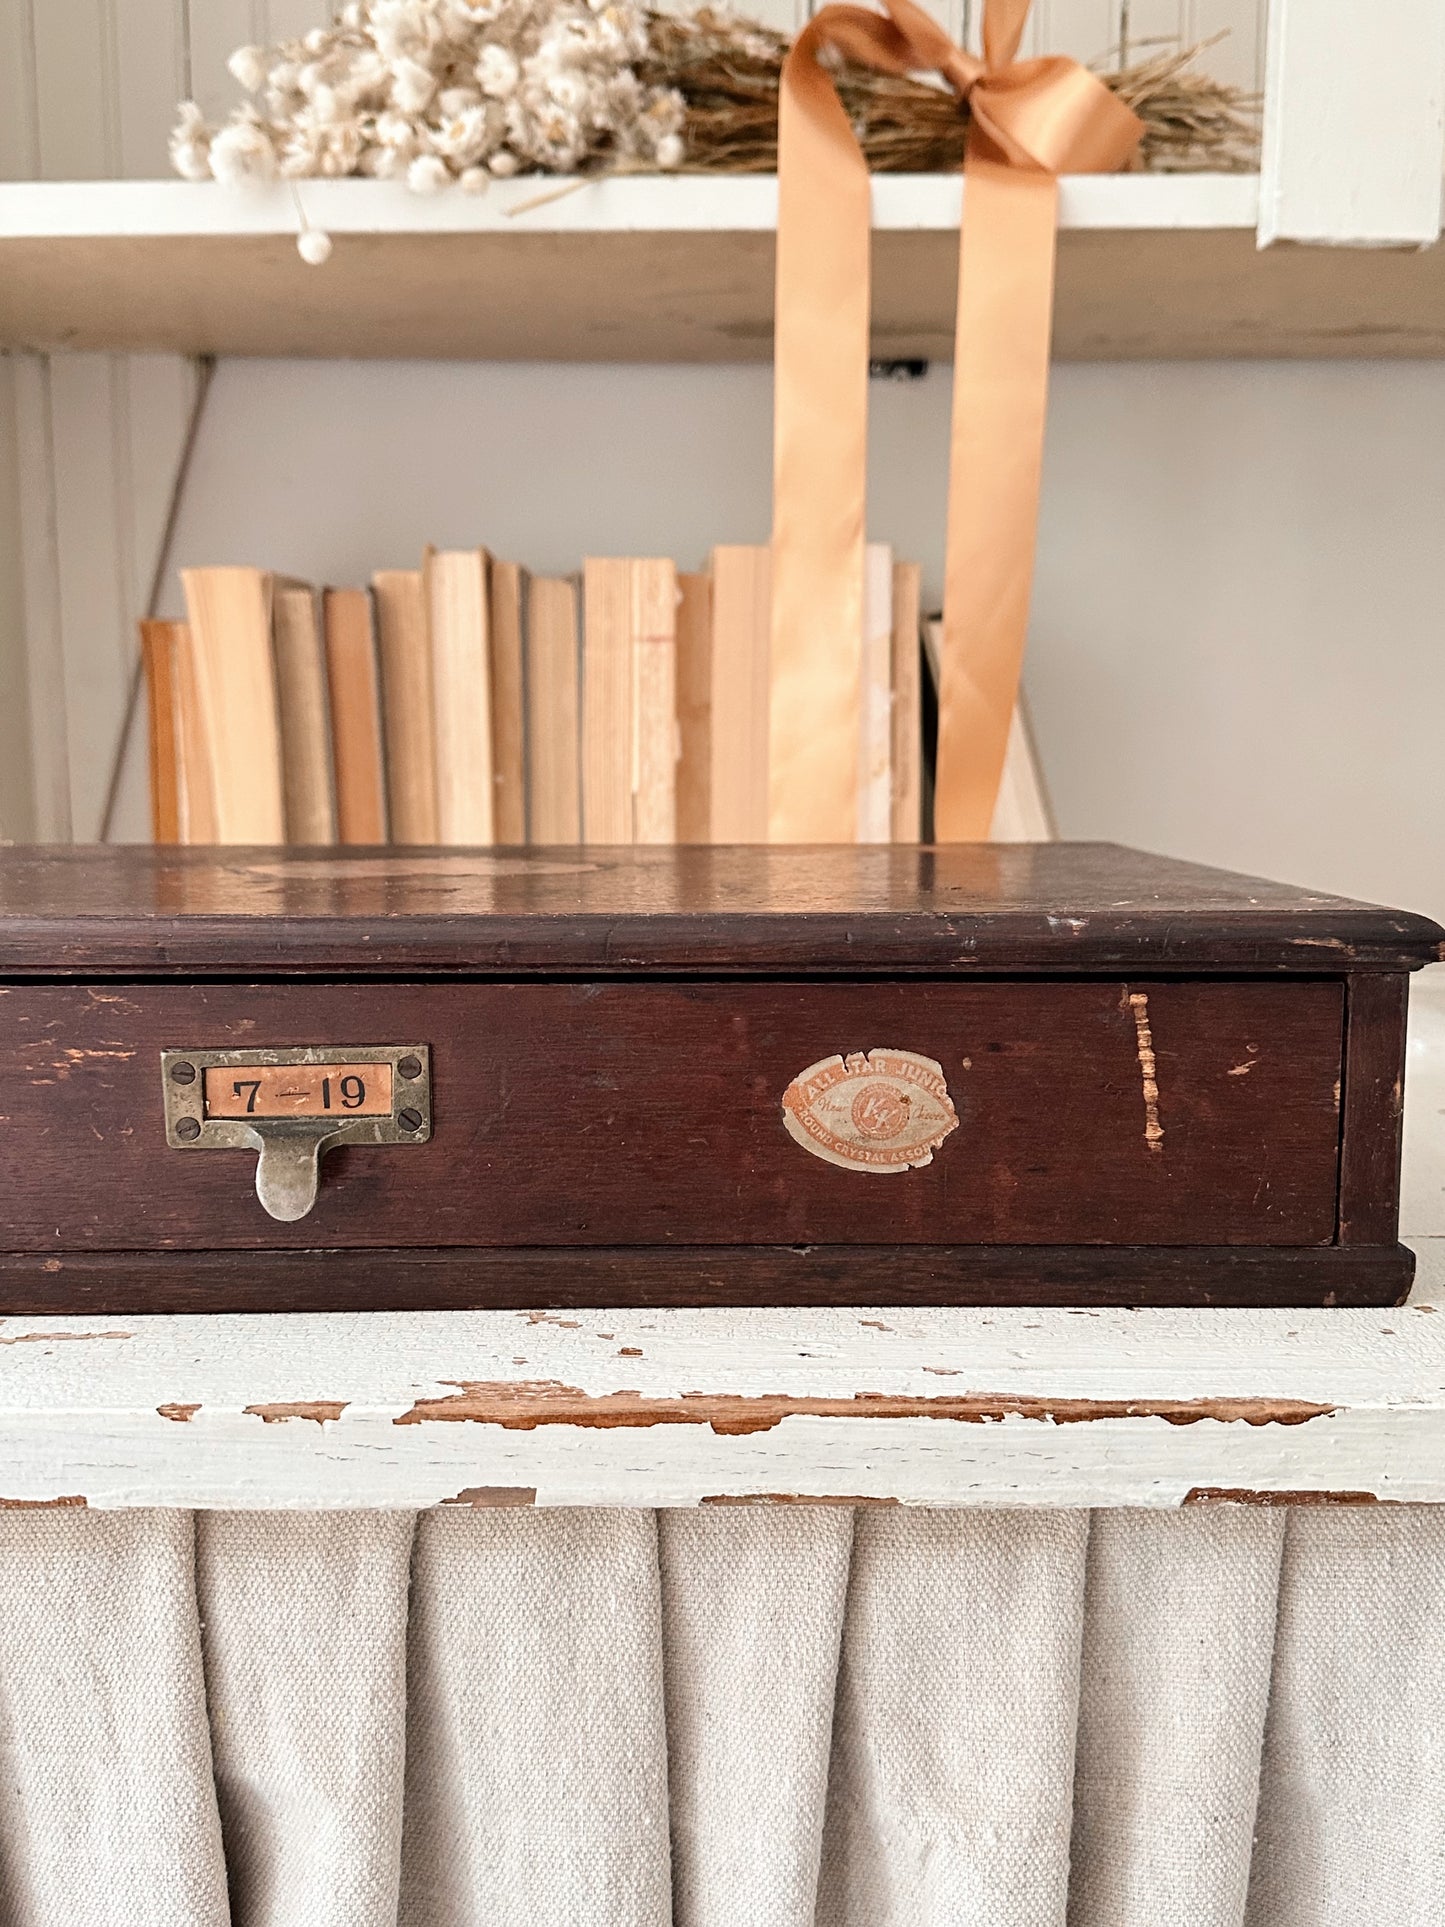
[886,1111]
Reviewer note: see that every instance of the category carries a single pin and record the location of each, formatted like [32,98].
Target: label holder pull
[292,1106]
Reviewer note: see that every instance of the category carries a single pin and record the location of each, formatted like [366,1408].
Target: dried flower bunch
[436,91]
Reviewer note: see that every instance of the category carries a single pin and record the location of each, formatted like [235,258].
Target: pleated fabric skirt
[763,1716]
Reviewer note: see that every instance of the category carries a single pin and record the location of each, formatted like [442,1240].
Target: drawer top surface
[1066,907]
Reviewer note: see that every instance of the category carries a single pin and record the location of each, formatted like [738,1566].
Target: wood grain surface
[649,1114]
[1075,907]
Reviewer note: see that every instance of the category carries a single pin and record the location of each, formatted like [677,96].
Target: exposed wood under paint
[972,1407]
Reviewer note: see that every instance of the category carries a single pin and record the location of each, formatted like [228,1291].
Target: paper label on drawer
[886,1110]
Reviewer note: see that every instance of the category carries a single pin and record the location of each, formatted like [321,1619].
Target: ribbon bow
[1030,120]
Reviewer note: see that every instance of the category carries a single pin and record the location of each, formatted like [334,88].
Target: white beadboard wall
[1236,649]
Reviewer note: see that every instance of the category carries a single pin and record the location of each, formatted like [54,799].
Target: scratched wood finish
[1077,907]
[650,1114]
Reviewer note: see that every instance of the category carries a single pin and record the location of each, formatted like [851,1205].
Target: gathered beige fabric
[536,1774]
[1354,1756]
[308,1723]
[948,1803]
[789,1716]
[107,1800]
[753,1603]
[1178,1637]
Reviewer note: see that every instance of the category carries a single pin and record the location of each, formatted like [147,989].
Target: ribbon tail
[820,433]
[1001,373]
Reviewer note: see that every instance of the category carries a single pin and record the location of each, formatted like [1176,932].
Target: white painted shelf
[683,1408]
[649,268]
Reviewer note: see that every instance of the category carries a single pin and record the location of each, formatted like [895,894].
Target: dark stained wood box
[1052,1074]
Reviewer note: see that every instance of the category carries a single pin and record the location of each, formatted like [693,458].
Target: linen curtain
[786,1716]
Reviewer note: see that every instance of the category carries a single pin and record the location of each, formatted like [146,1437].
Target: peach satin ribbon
[1030,120]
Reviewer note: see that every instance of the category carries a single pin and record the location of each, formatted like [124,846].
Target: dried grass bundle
[727,71]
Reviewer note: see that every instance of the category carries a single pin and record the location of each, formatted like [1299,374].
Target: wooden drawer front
[637,1113]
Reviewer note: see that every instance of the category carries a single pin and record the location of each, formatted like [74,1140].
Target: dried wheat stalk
[727,70]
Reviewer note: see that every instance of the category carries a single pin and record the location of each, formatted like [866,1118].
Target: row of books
[470,702]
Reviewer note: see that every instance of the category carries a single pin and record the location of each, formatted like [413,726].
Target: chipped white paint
[944,1408]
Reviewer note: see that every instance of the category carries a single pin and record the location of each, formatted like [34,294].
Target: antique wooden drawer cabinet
[245,1079]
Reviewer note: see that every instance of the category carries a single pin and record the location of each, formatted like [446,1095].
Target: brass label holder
[293,1106]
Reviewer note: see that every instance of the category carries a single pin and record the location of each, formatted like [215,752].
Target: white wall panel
[1237,58]
[17,798]
[89,412]
[78,106]
[218,27]
[1147,27]
[44,665]
[289,19]
[19,138]
[98,441]
[1236,648]
[150,78]
[1087,30]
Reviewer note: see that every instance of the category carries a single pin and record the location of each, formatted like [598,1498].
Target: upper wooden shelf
[663,269]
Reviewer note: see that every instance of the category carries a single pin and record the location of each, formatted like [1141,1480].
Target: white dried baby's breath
[463,138]
[498,70]
[248,65]
[243,153]
[569,91]
[428,174]
[439,90]
[412,86]
[396,131]
[190,144]
[384,163]
[314,247]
